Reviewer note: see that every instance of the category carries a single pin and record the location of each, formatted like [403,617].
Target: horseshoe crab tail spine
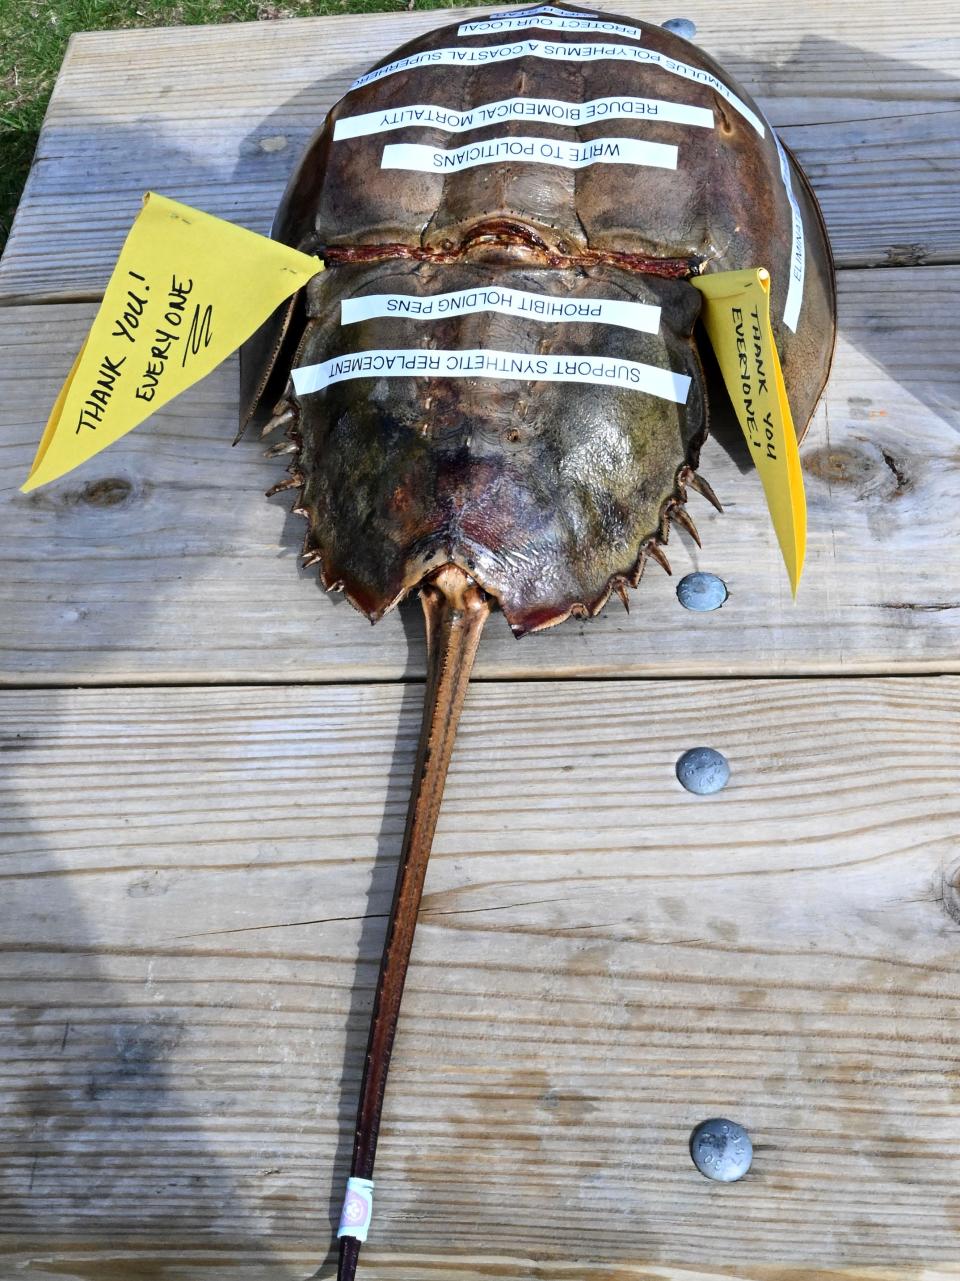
[455,609]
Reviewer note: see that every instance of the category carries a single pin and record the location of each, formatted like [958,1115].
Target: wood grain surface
[161,560]
[195,878]
[194,889]
[217,117]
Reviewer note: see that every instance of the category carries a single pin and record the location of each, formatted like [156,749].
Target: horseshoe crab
[493,393]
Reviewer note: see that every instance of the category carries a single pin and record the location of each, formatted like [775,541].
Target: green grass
[33,38]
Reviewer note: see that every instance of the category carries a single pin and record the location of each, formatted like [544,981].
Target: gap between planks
[483,678]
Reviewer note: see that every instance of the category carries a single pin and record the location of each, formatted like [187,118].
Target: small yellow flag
[736,314]
[187,290]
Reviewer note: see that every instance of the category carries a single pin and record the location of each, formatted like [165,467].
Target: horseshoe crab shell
[494,392]
[549,494]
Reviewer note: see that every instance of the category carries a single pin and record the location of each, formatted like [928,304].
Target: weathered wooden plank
[217,116]
[160,560]
[190,877]
[119,1264]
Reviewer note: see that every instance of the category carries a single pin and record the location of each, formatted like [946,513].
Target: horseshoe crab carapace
[493,394]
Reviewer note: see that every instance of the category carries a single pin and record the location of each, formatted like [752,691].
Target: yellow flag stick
[187,290]
[736,315]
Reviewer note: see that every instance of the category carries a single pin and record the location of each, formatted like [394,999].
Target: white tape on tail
[549,110]
[405,362]
[542,151]
[641,316]
[357,1209]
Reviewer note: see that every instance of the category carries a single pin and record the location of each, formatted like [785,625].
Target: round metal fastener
[682,27]
[701,592]
[721,1149]
[703,771]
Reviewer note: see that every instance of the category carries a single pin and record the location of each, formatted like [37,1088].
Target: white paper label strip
[540,8]
[548,22]
[791,310]
[641,316]
[546,109]
[543,151]
[607,371]
[484,54]
[357,1209]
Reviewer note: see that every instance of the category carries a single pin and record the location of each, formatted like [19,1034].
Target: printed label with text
[797,271]
[544,151]
[643,317]
[547,110]
[608,371]
[485,55]
[548,22]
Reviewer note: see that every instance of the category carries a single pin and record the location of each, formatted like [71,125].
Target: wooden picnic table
[207,762]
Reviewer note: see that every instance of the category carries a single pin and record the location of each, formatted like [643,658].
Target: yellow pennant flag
[736,314]
[187,290]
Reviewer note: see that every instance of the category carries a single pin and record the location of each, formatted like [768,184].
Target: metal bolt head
[701,592]
[721,1149]
[682,27]
[703,771]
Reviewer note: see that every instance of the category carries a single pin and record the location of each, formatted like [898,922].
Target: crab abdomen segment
[456,443]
